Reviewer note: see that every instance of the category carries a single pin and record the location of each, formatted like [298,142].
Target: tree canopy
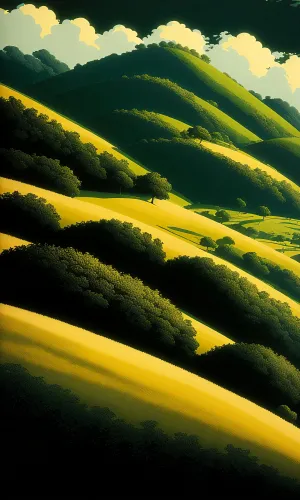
[155,185]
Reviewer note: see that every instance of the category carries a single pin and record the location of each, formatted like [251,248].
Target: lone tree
[207,242]
[241,204]
[222,216]
[155,184]
[200,133]
[264,211]
[205,58]
[225,241]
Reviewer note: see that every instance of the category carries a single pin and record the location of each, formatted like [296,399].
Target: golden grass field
[7,241]
[137,386]
[186,224]
[73,210]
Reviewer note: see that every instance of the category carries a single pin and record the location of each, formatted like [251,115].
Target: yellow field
[187,225]
[7,241]
[206,336]
[137,386]
[72,210]
[245,159]
[174,122]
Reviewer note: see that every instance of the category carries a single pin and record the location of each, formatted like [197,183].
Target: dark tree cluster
[79,289]
[20,70]
[28,217]
[283,279]
[283,108]
[201,133]
[118,243]
[254,372]
[40,171]
[174,45]
[245,314]
[216,179]
[64,439]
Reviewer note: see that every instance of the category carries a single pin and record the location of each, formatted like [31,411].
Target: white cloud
[43,16]
[75,41]
[178,33]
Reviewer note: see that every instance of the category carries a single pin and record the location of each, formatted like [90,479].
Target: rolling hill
[150,93]
[283,154]
[73,210]
[182,68]
[137,386]
[7,241]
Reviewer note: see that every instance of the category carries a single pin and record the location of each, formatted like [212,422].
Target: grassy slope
[187,71]
[152,94]
[292,144]
[73,211]
[283,154]
[223,86]
[138,387]
[85,135]
[277,225]
[7,241]
[186,224]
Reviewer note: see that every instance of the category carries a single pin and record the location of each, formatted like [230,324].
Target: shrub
[77,288]
[200,286]
[285,412]
[38,170]
[254,372]
[28,216]
[118,243]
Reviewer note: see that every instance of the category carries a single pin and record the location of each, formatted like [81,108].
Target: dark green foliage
[28,217]
[246,230]
[198,132]
[285,412]
[25,129]
[38,170]
[155,185]
[118,174]
[213,103]
[118,243]
[254,372]
[226,240]
[284,109]
[20,70]
[244,313]
[77,288]
[207,242]
[282,154]
[264,211]
[70,442]
[222,216]
[199,173]
[50,60]
[283,279]
[126,127]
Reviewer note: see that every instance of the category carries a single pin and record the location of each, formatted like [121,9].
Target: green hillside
[151,93]
[183,68]
[283,154]
[207,176]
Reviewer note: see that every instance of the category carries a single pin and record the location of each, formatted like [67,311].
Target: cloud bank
[75,41]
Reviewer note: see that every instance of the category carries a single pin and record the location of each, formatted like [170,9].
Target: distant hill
[147,93]
[283,108]
[283,154]
[183,68]
[20,70]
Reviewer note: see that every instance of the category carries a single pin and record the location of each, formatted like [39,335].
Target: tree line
[66,440]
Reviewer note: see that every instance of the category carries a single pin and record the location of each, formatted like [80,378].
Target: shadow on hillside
[182,230]
[97,194]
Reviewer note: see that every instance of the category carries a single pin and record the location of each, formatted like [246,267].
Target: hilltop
[182,68]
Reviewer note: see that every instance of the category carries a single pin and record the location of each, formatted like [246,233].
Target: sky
[76,40]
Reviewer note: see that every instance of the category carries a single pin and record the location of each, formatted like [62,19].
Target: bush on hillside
[77,288]
[28,217]
[254,372]
[244,313]
[118,243]
[285,412]
[38,170]
[66,439]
